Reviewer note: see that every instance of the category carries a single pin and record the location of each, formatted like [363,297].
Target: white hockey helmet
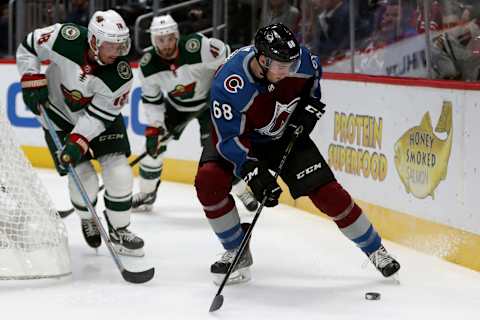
[163,25]
[108,26]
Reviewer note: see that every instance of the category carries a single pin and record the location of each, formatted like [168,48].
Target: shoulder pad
[234,89]
[71,42]
[115,75]
[151,64]
[310,64]
[191,43]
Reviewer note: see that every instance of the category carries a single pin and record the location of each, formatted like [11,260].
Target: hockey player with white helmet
[83,90]
[175,75]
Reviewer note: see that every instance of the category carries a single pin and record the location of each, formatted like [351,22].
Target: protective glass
[475,46]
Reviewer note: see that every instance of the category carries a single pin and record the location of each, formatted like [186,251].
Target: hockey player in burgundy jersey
[258,96]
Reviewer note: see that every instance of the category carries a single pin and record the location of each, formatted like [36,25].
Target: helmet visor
[116,48]
[280,67]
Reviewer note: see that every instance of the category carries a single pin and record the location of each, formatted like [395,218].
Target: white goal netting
[33,239]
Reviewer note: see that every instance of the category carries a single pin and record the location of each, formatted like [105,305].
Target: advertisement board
[406,148]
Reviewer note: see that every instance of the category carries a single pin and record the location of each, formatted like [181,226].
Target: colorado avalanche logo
[280,117]
[232,83]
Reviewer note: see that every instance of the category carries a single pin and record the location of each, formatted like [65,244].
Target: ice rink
[303,269]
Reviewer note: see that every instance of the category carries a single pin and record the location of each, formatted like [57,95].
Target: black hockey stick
[133,277]
[66,213]
[218,299]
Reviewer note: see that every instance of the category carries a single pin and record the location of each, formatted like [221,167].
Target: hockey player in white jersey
[175,75]
[83,90]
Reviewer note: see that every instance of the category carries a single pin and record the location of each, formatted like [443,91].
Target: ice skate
[242,269]
[124,241]
[143,202]
[384,262]
[241,190]
[91,233]
[248,200]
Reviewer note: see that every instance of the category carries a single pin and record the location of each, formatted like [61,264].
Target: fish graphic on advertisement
[421,158]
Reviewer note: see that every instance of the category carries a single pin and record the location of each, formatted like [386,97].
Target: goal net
[33,239]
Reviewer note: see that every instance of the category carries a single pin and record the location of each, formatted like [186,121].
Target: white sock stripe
[225,222]
[118,199]
[217,206]
[345,212]
[151,169]
[357,228]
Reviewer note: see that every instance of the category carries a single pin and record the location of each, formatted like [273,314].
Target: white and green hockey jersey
[184,82]
[82,94]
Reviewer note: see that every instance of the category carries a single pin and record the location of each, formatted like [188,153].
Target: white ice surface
[303,269]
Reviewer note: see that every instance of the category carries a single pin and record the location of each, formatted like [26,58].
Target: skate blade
[238,276]
[128,252]
[395,278]
[144,208]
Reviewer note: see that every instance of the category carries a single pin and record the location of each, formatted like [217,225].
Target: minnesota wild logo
[145,59]
[421,158]
[70,33]
[124,70]
[183,92]
[192,45]
[74,98]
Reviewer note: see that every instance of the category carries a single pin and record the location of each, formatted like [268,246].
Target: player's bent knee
[89,179]
[213,183]
[331,199]
[120,181]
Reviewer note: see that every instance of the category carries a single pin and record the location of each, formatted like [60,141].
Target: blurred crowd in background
[380,37]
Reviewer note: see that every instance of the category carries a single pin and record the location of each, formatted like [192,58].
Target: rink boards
[406,150]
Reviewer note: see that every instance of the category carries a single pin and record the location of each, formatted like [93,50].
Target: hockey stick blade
[138,277]
[65,213]
[216,303]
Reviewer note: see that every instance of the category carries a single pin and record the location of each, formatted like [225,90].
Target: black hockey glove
[262,183]
[307,113]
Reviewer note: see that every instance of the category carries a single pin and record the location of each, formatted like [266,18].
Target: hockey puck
[372,296]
